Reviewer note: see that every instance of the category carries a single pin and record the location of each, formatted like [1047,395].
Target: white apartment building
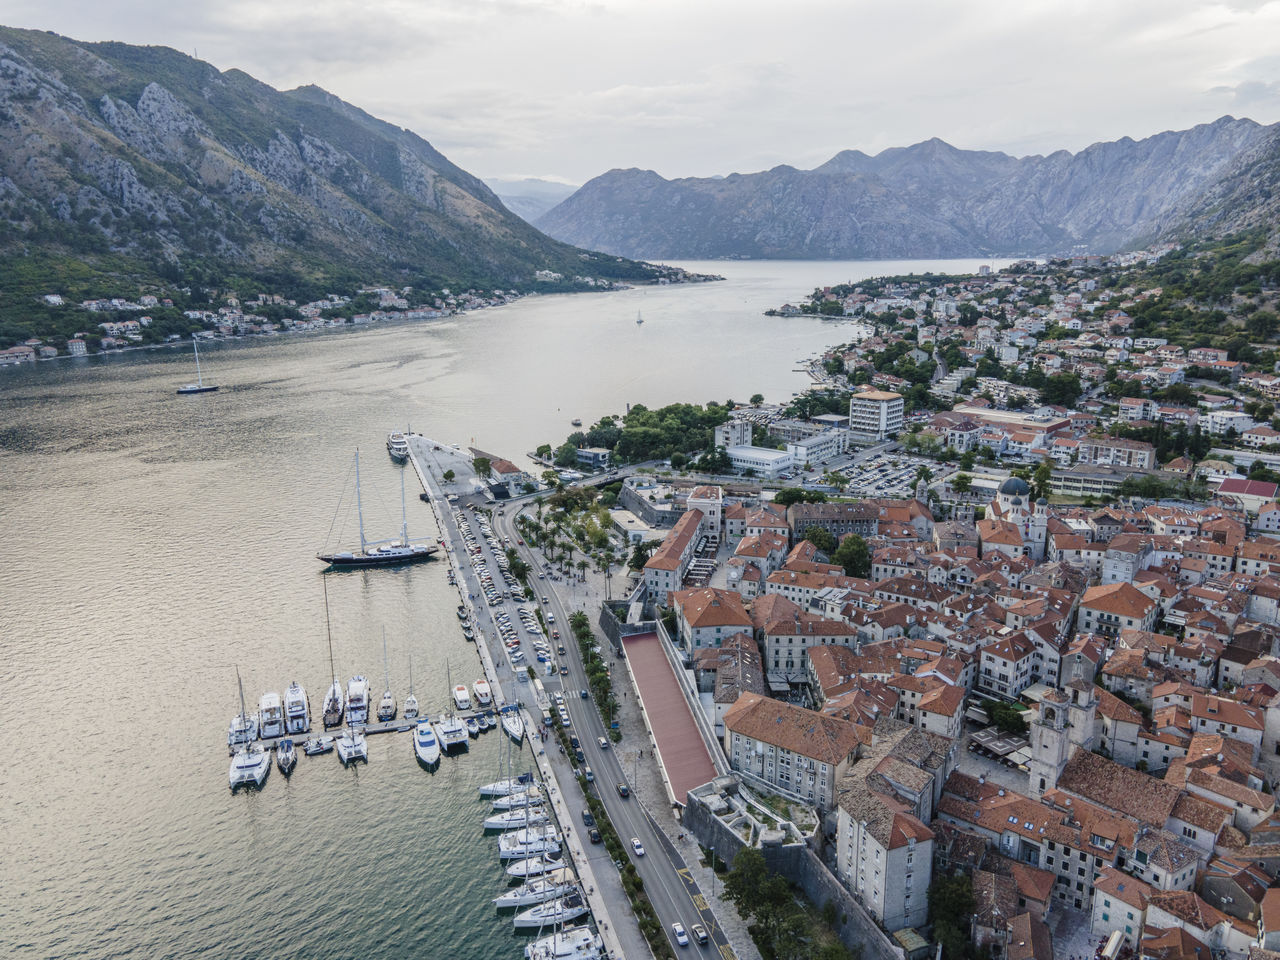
[735,433]
[876,413]
[665,570]
[819,448]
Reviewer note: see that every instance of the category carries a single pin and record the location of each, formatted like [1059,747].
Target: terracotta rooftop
[1119,788]
[805,732]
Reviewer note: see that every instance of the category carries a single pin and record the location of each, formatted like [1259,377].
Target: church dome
[1015,487]
[1043,502]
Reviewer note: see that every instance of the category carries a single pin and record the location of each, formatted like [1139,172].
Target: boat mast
[195,346]
[329,629]
[404,520]
[244,713]
[386,673]
[359,506]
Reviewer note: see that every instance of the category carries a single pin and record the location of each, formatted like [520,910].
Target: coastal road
[671,889]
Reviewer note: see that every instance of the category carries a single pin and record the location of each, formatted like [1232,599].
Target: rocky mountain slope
[927,200]
[119,160]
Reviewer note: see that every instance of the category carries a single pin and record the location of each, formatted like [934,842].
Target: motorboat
[243,729]
[352,745]
[411,701]
[426,744]
[461,698]
[297,712]
[318,745]
[462,612]
[250,764]
[536,866]
[513,801]
[553,912]
[468,635]
[524,843]
[383,553]
[575,943]
[286,756]
[554,884]
[398,446]
[484,698]
[357,700]
[512,722]
[501,788]
[270,716]
[387,705]
[452,733]
[473,726]
[528,816]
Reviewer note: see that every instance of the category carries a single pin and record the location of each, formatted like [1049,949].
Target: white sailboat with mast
[411,701]
[334,704]
[387,705]
[199,386]
[250,764]
[379,553]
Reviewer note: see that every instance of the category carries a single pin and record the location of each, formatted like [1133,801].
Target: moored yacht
[286,756]
[352,745]
[576,943]
[500,788]
[411,701]
[379,553]
[536,866]
[357,700]
[398,446]
[387,705]
[297,712]
[461,699]
[318,745]
[483,697]
[270,716]
[515,819]
[452,733]
[524,843]
[473,727]
[243,729]
[512,722]
[426,744]
[553,913]
[250,764]
[551,885]
[513,801]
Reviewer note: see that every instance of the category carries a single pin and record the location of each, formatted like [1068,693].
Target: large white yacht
[270,716]
[514,801]
[576,943]
[515,819]
[553,913]
[554,884]
[483,697]
[297,712]
[536,866]
[461,698]
[357,700]
[452,733]
[398,446]
[500,788]
[249,765]
[426,745]
[522,844]
[243,729]
[352,745]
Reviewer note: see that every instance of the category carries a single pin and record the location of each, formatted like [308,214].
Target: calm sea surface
[150,544]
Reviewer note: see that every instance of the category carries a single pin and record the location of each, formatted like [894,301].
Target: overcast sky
[567,89]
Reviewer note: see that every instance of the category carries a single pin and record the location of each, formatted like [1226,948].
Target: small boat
[553,913]
[515,819]
[462,613]
[554,884]
[473,726]
[353,746]
[484,697]
[426,744]
[411,702]
[639,319]
[318,745]
[286,756]
[387,705]
[461,698]
[357,700]
[512,722]
[270,716]
[501,788]
[243,729]
[576,943]
[199,386]
[297,713]
[575,422]
[452,579]
[536,866]
[521,844]
[398,446]
[379,553]
[513,801]
[468,635]
[250,764]
[486,722]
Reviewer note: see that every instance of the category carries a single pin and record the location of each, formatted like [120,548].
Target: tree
[1262,324]
[1041,480]
[854,555]
[448,476]
[544,450]
[642,552]
[820,537]
[789,495]
[962,483]
[757,399]
[951,909]
[566,455]
[923,473]
[764,897]
[967,460]
[482,466]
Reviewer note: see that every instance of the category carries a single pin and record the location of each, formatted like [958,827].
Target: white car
[682,938]
[637,846]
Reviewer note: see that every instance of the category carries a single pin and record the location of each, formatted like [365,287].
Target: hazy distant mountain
[120,161]
[529,197]
[926,200]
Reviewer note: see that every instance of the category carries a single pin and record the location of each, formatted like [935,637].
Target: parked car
[587,819]
[594,835]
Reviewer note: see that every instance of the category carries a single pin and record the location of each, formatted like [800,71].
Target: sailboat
[411,702]
[250,764]
[512,722]
[639,319]
[334,705]
[379,553]
[387,705]
[199,386]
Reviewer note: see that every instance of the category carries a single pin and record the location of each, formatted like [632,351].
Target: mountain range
[130,163]
[933,200]
[529,197]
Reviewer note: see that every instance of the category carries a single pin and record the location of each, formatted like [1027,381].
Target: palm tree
[582,568]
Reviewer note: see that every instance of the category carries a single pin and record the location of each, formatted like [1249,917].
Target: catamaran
[379,553]
[353,746]
[297,713]
[250,764]
[199,386]
[451,730]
